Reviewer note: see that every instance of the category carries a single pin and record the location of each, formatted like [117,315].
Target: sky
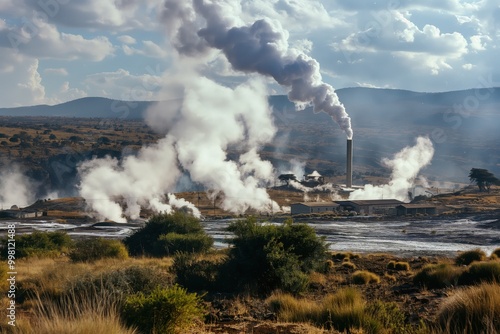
[53,51]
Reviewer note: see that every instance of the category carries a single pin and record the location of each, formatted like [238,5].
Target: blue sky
[52,51]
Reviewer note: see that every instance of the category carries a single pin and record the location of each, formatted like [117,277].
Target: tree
[483,179]
[286,178]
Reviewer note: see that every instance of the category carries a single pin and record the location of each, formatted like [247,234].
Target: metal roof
[372,202]
[317,204]
[418,206]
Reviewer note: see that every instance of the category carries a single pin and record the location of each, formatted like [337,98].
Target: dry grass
[343,310]
[365,277]
[466,258]
[93,314]
[348,265]
[472,310]
[399,265]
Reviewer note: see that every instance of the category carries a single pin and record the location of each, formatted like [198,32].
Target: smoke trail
[405,165]
[15,187]
[261,47]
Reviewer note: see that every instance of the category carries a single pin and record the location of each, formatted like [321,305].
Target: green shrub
[481,272]
[148,240]
[437,276]
[474,310]
[193,242]
[400,266]
[164,310]
[268,257]
[93,249]
[195,274]
[41,244]
[365,277]
[466,258]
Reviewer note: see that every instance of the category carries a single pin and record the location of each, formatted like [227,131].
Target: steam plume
[261,47]
[15,187]
[405,165]
[199,128]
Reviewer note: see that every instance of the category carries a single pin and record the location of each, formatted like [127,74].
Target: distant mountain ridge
[352,98]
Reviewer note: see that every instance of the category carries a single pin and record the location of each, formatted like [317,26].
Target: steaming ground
[405,166]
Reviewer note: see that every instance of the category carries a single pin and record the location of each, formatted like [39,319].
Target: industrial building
[17,214]
[379,206]
[313,207]
[414,209]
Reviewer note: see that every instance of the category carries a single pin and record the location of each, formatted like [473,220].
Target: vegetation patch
[166,234]
[365,277]
[437,276]
[164,310]
[268,257]
[344,311]
[41,244]
[479,272]
[466,258]
[93,249]
[399,266]
[471,310]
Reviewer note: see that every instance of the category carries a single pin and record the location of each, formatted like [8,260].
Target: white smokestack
[348,181]
[261,47]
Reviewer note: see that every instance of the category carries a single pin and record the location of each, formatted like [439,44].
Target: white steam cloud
[199,128]
[15,187]
[261,47]
[405,166]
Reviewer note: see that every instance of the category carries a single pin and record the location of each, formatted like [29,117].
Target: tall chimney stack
[348,181]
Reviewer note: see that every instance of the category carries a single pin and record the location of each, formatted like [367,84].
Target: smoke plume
[405,166]
[261,47]
[15,187]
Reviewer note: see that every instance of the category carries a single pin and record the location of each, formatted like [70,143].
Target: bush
[496,253]
[97,248]
[481,272]
[193,243]
[437,276]
[195,274]
[268,257]
[400,266]
[365,277]
[466,258]
[167,310]
[41,244]
[149,241]
[472,310]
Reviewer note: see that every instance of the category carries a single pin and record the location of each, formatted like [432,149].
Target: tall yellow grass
[471,310]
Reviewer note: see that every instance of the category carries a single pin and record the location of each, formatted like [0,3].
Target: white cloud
[56,71]
[121,84]
[44,40]
[126,39]
[149,49]
[21,82]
